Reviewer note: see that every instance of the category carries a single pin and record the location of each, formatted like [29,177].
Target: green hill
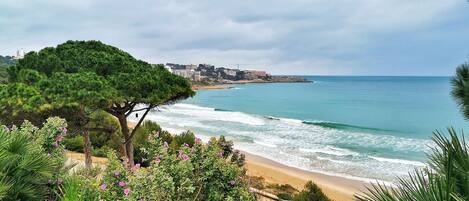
[5,62]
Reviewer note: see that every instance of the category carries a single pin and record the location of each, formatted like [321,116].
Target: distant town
[206,73]
[199,74]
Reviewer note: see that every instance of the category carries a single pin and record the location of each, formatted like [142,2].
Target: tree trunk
[128,147]
[87,149]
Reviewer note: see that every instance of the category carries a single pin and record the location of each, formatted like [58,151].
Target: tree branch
[131,109]
[139,123]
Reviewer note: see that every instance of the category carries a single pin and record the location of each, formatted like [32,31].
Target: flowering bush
[198,172]
[31,159]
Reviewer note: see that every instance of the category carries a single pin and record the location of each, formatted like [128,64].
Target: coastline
[335,187]
[208,87]
[222,85]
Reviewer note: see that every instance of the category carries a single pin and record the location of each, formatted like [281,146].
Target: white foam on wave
[192,107]
[279,138]
[265,144]
[295,121]
[400,161]
[206,113]
[330,151]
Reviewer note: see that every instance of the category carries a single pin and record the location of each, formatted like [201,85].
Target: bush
[140,139]
[74,143]
[311,192]
[101,152]
[191,173]
[186,138]
[76,188]
[31,160]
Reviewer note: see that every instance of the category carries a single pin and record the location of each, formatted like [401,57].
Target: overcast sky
[332,37]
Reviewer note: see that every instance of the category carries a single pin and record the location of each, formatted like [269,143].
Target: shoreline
[222,85]
[335,187]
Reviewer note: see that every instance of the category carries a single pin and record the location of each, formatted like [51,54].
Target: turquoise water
[357,127]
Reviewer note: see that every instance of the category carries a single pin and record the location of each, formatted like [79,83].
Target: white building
[19,54]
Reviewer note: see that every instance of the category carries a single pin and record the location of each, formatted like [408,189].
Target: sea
[370,128]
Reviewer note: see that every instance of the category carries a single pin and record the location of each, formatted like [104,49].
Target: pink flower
[157,159]
[122,184]
[59,138]
[184,157]
[220,154]
[232,182]
[102,187]
[141,199]
[126,191]
[116,173]
[136,166]
[198,140]
[185,144]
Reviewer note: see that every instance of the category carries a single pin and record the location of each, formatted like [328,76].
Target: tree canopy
[124,82]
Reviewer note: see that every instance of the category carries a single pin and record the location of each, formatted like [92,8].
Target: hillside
[5,61]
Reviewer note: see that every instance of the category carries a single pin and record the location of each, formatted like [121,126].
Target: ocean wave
[342,126]
[265,144]
[400,161]
[330,151]
[212,114]
[299,144]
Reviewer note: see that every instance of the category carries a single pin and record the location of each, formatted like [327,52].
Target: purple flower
[64,130]
[185,144]
[122,184]
[59,138]
[184,157]
[198,140]
[157,159]
[116,173]
[102,187]
[126,191]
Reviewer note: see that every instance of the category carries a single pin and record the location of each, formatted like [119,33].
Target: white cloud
[308,36]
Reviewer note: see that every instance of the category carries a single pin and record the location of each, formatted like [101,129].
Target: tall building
[19,54]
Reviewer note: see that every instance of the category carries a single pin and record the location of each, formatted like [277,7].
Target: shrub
[74,143]
[30,160]
[191,173]
[101,152]
[140,140]
[76,188]
[185,138]
[311,192]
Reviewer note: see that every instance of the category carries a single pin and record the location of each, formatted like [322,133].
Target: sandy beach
[208,87]
[337,188]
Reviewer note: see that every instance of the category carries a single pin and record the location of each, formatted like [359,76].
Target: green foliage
[311,192]
[76,188]
[446,179]
[5,62]
[192,173]
[186,138]
[30,160]
[74,143]
[90,75]
[460,88]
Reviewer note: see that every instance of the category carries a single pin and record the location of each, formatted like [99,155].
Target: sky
[295,37]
